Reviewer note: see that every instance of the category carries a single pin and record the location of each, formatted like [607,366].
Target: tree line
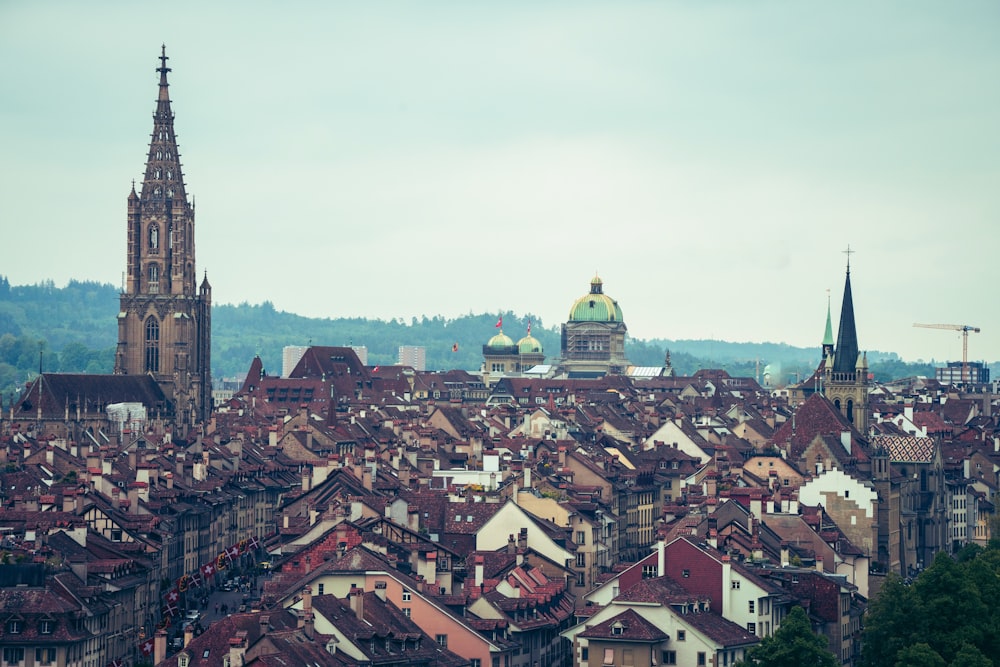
[73,329]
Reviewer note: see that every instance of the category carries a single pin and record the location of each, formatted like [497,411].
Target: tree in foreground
[946,617]
[794,644]
[919,655]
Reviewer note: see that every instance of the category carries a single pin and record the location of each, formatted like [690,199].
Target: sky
[711,161]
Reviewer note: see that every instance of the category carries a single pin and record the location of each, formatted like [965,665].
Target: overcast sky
[710,160]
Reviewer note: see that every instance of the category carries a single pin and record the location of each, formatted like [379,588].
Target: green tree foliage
[970,656]
[919,655]
[948,612]
[794,644]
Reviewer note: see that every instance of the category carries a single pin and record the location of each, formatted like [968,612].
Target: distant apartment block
[413,356]
[362,353]
[224,389]
[976,373]
[290,356]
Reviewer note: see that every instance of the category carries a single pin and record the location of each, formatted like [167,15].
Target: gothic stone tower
[164,323]
[846,369]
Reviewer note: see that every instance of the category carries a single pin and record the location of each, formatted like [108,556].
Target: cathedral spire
[846,356]
[163,179]
[164,322]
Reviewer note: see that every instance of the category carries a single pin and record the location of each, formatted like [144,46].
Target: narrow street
[217,603]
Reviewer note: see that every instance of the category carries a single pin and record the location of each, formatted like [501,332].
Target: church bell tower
[846,368]
[164,323]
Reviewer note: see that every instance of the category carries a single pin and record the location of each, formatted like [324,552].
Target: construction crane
[965,329]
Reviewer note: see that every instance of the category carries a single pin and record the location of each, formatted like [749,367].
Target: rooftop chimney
[237,648]
[159,646]
[357,601]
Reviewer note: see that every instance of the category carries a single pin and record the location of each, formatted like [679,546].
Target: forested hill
[75,329]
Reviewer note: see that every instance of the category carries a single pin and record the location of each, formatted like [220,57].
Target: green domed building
[501,342]
[530,350]
[593,339]
[502,356]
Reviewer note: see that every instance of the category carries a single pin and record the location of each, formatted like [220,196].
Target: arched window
[152,345]
[850,411]
[154,279]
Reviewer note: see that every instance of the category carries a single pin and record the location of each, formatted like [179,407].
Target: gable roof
[816,416]
[626,626]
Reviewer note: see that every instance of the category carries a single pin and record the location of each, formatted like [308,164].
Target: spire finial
[849,252]
[163,69]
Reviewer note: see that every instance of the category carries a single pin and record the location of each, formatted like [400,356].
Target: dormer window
[617,629]
[183,659]
[15,626]
[46,626]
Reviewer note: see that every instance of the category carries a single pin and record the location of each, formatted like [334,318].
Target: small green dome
[500,340]
[529,344]
[596,306]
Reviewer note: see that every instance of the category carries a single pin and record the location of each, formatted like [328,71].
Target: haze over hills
[75,329]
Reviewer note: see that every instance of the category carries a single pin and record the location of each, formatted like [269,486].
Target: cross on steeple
[849,252]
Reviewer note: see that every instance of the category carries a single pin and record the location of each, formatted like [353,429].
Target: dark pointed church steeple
[846,379]
[846,356]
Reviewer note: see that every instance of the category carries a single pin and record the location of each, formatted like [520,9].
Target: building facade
[414,356]
[164,322]
[593,338]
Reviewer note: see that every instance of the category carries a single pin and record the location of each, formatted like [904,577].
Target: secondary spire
[828,342]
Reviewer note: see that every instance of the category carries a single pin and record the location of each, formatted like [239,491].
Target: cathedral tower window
[154,279]
[152,345]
